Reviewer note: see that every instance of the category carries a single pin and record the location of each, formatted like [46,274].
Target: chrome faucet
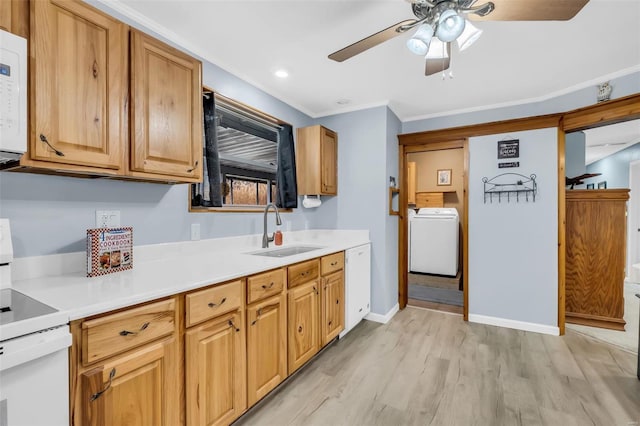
[266,239]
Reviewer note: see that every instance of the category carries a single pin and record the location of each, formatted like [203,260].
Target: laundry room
[436,212]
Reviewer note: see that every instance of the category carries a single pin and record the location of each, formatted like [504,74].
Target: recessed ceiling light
[282,74]
[343,101]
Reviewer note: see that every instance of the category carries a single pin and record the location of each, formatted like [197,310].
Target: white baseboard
[372,316]
[518,325]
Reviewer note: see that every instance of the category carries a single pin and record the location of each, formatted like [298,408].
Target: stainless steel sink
[284,252]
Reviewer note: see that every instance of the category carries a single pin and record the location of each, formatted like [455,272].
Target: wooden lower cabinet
[136,389]
[595,257]
[204,357]
[332,306]
[266,346]
[216,371]
[303,324]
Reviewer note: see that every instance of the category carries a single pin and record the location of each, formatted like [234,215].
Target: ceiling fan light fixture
[419,43]
[450,25]
[468,36]
[438,50]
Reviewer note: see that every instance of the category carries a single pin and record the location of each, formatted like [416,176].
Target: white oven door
[35,392]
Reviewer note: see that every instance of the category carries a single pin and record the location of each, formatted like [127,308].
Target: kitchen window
[248,158]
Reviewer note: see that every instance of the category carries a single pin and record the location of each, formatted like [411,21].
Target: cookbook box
[109,250]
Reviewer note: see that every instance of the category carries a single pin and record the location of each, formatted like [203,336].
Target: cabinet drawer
[303,272]
[264,285]
[115,333]
[204,304]
[332,263]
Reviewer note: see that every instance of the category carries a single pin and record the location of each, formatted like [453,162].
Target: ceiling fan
[440,22]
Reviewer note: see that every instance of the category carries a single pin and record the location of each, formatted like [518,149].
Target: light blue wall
[615,168]
[575,149]
[394,127]
[622,86]
[366,157]
[513,246]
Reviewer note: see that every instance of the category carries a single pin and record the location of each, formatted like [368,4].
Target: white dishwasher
[433,233]
[357,285]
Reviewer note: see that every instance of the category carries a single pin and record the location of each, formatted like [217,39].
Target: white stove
[34,363]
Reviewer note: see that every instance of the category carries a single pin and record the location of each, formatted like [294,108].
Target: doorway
[434,183]
[434,210]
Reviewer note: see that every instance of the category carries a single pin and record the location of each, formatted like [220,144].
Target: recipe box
[109,250]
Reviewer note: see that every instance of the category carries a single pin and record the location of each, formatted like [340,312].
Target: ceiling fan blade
[532,10]
[436,65]
[371,41]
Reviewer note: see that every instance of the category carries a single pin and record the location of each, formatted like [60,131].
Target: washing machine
[433,237]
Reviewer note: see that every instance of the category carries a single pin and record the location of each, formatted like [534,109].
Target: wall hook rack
[510,185]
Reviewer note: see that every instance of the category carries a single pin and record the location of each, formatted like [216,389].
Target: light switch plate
[107,218]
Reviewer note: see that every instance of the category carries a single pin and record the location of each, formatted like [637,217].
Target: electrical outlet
[195,231]
[107,218]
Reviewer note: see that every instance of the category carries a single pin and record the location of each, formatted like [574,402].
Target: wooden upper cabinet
[78,85]
[14,17]
[166,110]
[411,182]
[317,161]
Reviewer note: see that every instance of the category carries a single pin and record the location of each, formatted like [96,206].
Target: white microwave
[13,96]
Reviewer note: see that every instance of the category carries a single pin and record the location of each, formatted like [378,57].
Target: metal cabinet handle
[43,138]
[334,263]
[195,165]
[267,287]
[315,289]
[264,310]
[98,394]
[127,332]
[232,325]
[213,305]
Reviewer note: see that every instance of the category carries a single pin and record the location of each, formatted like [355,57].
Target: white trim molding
[517,325]
[383,319]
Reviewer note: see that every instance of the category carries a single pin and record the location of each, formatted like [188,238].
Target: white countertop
[164,269]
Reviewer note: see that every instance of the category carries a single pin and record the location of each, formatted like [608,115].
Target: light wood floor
[431,368]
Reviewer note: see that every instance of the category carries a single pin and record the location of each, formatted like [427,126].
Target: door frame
[597,115]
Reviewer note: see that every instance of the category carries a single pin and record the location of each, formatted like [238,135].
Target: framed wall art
[444,177]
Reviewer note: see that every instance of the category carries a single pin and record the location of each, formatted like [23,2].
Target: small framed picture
[591,186]
[444,177]
[602,185]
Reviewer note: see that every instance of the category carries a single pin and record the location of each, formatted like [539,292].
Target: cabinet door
[140,388]
[332,306]
[329,162]
[14,17]
[78,85]
[216,371]
[304,324]
[411,182]
[166,113]
[266,346]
